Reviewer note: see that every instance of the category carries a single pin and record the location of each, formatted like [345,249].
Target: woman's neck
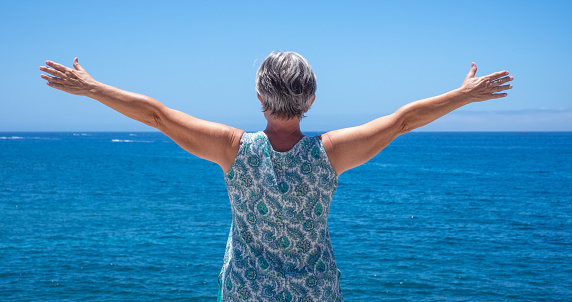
[283,134]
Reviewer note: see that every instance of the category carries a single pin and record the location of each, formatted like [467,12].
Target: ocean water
[434,217]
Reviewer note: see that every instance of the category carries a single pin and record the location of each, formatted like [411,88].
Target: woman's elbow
[154,115]
[401,123]
[153,120]
[405,127]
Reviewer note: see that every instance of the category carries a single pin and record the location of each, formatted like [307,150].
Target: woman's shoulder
[252,137]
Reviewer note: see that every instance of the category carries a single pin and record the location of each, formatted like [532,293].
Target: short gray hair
[286,83]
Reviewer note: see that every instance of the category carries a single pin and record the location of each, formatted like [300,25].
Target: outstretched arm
[212,141]
[350,147]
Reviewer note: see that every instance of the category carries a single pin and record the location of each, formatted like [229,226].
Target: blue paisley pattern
[279,247]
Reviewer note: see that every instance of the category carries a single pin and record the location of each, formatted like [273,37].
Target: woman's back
[279,246]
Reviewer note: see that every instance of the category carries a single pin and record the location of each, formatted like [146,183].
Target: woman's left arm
[350,147]
[212,141]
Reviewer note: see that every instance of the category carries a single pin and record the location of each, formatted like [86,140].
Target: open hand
[75,81]
[486,87]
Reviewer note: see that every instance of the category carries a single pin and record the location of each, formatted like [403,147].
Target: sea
[112,216]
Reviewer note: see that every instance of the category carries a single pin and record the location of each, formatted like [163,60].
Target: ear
[260,98]
[313,99]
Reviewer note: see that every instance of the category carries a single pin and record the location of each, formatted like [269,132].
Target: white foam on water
[11,137]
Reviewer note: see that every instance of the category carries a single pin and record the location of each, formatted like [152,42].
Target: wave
[11,137]
[27,138]
[129,141]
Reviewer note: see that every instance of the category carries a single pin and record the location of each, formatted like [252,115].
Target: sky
[370,58]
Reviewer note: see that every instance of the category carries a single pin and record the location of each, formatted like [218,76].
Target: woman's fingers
[52,71]
[502,80]
[498,95]
[69,83]
[58,67]
[57,86]
[63,81]
[473,71]
[496,75]
[65,88]
[487,87]
[76,65]
[502,87]
[52,79]
[61,74]
[71,80]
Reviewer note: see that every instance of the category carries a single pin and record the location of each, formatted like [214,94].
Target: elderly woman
[280,182]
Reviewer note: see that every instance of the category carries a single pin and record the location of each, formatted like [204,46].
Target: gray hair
[286,83]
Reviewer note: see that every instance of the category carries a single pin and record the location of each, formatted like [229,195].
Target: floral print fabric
[279,247]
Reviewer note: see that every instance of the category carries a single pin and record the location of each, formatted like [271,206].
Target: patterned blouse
[279,247]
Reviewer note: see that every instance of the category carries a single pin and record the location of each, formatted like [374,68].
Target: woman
[280,182]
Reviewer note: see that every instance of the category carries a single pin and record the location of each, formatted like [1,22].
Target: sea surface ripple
[433,217]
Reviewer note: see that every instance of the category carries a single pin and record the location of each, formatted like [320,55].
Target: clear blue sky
[370,57]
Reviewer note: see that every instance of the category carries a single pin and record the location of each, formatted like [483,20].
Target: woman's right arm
[351,147]
[212,141]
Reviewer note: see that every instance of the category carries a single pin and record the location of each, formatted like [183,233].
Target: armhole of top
[241,148]
[323,150]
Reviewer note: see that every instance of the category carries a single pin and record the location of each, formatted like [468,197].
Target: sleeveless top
[279,247]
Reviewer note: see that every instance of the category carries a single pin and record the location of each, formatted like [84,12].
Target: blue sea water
[434,217]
